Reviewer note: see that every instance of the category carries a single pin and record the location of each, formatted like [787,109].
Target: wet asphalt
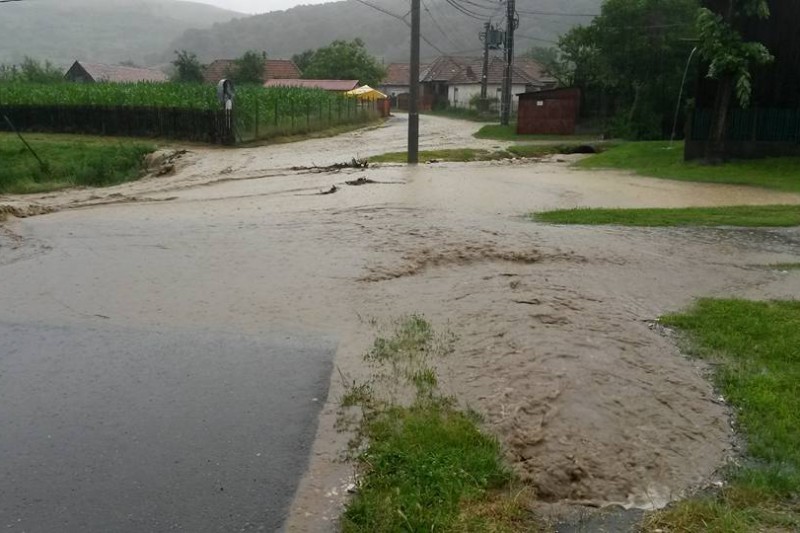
[107,429]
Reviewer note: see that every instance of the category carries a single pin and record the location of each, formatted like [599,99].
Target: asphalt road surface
[111,429]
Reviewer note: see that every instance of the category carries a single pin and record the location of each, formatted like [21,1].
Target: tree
[345,60]
[187,68]
[33,71]
[629,62]
[249,68]
[303,60]
[730,59]
[554,64]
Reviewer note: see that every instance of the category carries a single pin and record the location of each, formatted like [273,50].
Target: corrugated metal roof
[119,74]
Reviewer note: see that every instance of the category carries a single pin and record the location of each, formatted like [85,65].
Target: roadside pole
[485,76]
[413,93]
[508,78]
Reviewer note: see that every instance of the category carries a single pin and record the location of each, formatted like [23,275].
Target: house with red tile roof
[457,80]
[274,69]
[340,86]
[83,72]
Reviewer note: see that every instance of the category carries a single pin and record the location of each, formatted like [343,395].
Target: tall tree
[730,59]
[629,61]
[249,68]
[32,70]
[303,60]
[554,64]
[345,60]
[187,68]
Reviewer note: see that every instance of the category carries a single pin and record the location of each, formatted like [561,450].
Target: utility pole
[413,93]
[485,77]
[509,72]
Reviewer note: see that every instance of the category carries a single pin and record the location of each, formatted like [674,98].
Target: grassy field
[69,161]
[509,133]
[426,466]
[755,350]
[465,155]
[741,216]
[663,160]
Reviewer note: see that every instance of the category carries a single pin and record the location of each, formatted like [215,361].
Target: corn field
[260,113]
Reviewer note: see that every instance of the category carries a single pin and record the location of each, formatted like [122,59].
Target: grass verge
[663,160]
[68,162]
[740,216]
[755,349]
[426,466]
[786,266]
[509,133]
[466,155]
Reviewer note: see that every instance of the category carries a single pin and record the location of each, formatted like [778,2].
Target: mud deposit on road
[555,338]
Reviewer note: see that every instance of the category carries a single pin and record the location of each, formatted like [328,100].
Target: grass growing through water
[741,216]
[426,464]
[509,133]
[69,162]
[466,155]
[665,160]
[755,347]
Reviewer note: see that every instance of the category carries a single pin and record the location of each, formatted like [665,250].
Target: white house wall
[461,95]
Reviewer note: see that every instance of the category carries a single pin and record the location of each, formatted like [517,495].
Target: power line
[436,23]
[404,21]
[555,13]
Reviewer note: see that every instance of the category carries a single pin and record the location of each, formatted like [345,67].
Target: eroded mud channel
[556,341]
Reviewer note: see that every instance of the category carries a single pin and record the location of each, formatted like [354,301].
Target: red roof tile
[325,85]
[469,70]
[279,69]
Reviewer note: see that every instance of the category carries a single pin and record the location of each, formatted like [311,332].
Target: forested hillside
[99,30]
[285,33]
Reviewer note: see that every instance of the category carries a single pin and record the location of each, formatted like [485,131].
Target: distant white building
[457,80]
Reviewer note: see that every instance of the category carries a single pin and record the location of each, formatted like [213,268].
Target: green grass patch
[466,155]
[786,266]
[665,160]
[755,348]
[426,465]
[69,162]
[509,133]
[740,216]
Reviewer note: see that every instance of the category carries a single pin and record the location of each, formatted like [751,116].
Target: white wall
[396,89]
[461,95]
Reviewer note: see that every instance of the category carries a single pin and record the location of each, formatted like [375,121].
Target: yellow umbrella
[367,93]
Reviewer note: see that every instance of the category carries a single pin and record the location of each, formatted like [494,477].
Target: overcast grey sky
[259,6]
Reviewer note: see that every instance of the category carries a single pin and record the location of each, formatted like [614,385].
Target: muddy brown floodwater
[556,343]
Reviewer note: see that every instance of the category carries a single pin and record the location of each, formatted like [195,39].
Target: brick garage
[552,112]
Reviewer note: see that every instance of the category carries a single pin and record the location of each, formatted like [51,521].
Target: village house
[82,72]
[274,69]
[456,81]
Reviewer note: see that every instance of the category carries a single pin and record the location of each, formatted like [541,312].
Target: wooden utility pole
[413,93]
[485,77]
[509,72]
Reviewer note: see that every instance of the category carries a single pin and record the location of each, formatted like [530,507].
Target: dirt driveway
[556,342]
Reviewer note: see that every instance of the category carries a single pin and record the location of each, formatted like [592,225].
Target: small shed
[553,112]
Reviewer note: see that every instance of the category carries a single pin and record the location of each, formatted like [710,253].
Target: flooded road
[556,343]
